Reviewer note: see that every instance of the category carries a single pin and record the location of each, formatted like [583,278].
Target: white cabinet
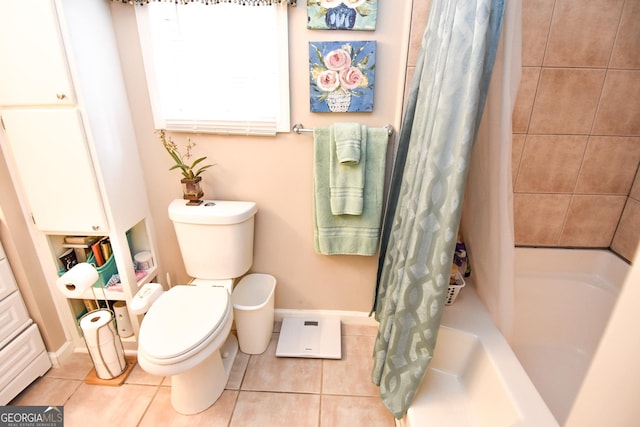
[7,283]
[31,52]
[23,357]
[73,158]
[55,168]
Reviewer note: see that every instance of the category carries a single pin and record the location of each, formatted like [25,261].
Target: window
[221,68]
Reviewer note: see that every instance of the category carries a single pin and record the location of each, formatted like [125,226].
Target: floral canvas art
[342,76]
[342,14]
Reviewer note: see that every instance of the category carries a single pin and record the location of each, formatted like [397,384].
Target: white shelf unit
[137,240]
[69,141]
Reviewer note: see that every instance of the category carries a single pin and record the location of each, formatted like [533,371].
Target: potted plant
[191,172]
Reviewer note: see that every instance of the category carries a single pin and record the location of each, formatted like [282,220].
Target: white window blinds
[221,69]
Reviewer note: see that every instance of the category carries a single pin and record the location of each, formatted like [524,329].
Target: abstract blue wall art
[342,14]
[341,76]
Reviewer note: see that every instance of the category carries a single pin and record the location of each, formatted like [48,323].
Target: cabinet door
[7,281]
[54,166]
[32,59]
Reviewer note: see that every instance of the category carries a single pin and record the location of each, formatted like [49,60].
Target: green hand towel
[347,179]
[347,138]
[348,234]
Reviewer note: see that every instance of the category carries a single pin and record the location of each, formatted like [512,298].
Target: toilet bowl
[186,335]
[186,331]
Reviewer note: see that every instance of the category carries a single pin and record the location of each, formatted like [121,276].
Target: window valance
[239,2]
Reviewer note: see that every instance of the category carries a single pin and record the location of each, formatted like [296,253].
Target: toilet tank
[215,238]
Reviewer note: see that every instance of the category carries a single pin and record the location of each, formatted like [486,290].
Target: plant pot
[191,191]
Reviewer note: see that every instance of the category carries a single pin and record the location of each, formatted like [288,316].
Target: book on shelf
[83,241]
[97,254]
[90,304]
[105,247]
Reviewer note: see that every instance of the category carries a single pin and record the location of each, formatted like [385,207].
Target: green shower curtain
[440,122]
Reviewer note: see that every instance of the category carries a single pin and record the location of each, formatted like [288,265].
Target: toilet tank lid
[211,212]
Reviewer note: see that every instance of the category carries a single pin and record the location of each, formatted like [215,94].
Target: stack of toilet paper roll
[98,327]
[103,343]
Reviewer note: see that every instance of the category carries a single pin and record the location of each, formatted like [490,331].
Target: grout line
[146,409]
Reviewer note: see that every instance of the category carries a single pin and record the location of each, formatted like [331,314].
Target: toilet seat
[182,319]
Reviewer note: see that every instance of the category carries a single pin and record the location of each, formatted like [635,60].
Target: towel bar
[299,127]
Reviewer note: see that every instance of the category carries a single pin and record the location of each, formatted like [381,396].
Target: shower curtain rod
[299,127]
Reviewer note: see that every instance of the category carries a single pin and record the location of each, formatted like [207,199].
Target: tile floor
[262,390]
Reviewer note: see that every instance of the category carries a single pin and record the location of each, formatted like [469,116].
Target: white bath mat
[313,337]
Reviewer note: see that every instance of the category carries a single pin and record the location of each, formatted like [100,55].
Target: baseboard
[346,317]
[63,353]
[358,318]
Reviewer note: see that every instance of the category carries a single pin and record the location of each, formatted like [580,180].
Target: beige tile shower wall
[576,144]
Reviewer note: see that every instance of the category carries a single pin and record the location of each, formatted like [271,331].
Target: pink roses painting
[340,71]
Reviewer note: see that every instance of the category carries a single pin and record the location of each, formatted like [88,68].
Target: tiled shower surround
[576,123]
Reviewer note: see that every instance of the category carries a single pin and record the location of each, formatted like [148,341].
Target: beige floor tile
[349,411]
[255,409]
[107,406]
[160,413]
[277,326]
[263,390]
[354,329]
[140,376]
[75,367]
[47,392]
[237,371]
[351,374]
[266,372]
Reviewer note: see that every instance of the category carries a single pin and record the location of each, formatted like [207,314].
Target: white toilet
[185,333]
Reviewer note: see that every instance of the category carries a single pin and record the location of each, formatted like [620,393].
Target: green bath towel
[348,234]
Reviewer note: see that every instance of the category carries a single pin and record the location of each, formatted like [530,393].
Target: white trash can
[253,311]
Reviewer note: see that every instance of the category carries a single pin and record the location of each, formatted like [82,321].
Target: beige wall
[276,172]
[576,145]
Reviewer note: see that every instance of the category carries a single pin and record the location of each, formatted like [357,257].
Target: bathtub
[563,300]
[474,379]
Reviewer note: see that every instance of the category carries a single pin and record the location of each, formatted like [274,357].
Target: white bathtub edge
[468,314]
